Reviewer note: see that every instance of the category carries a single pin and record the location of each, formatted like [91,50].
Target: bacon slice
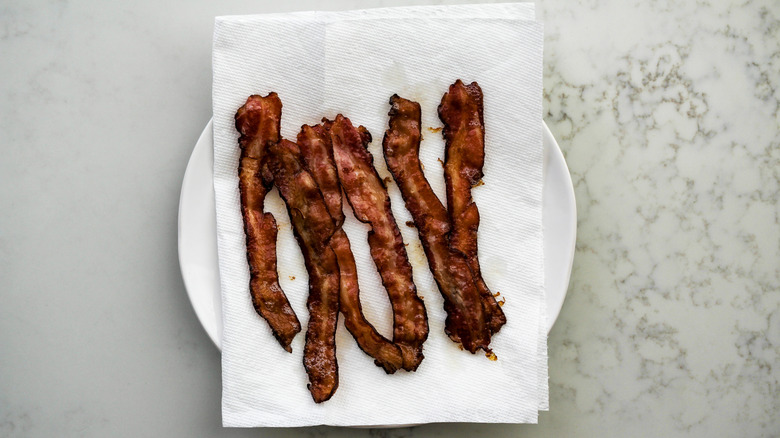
[401,145]
[464,133]
[315,144]
[258,123]
[313,228]
[369,200]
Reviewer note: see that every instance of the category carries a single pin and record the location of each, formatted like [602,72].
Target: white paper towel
[325,63]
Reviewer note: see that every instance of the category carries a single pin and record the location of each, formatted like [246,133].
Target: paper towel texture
[322,64]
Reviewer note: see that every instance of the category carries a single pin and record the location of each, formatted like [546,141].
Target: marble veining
[667,113]
[668,116]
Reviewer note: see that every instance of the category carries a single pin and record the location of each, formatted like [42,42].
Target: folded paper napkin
[322,64]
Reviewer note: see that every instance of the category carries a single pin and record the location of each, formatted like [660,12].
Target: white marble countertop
[667,114]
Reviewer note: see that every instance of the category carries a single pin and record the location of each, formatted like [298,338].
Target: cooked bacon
[464,133]
[371,204]
[401,145]
[315,144]
[313,228]
[385,353]
[258,123]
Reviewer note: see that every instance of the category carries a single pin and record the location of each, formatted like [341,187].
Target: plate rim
[572,223]
[210,320]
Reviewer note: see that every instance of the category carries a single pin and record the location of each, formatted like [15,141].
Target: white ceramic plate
[198,232]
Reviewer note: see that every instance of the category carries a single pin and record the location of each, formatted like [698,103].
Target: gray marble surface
[667,113]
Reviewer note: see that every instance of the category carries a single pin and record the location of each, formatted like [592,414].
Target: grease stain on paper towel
[416,256]
[395,78]
[395,75]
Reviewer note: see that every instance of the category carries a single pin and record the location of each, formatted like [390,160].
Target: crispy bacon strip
[313,228]
[464,133]
[401,145]
[315,144]
[258,123]
[369,200]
